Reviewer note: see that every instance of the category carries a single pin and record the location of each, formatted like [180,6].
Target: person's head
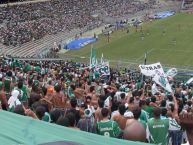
[88,99]
[164,112]
[131,100]
[40,111]
[142,103]
[55,114]
[72,119]
[105,112]
[170,98]
[121,109]
[63,121]
[57,88]
[19,110]
[92,89]
[20,84]
[136,94]
[163,103]
[136,113]
[101,103]
[73,102]
[153,99]
[157,112]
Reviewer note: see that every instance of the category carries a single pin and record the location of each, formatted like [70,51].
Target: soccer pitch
[169,41]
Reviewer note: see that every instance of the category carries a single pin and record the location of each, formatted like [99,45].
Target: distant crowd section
[31,21]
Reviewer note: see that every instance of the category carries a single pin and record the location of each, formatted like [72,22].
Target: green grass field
[169,41]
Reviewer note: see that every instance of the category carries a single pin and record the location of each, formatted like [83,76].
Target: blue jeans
[176,136]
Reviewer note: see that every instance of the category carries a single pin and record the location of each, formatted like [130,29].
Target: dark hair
[64,121]
[20,84]
[136,113]
[73,87]
[122,109]
[104,112]
[171,107]
[163,103]
[153,99]
[33,98]
[131,100]
[122,95]
[19,110]
[101,103]
[72,119]
[40,111]
[170,98]
[157,112]
[73,102]
[92,88]
[44,90]
[55,114]
[142,103]
[57,88]
[136,93]
[164,112]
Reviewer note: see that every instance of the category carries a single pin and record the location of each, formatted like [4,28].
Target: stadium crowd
[120,105]
[26,22]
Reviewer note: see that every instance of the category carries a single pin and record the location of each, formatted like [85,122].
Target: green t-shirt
[28,67]
[149,109]
[157,131]
[7,84]
[37,69]
[25,94]
[144,116]
[108,128]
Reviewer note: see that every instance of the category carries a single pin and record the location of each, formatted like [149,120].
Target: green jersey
[144,115]
[37,69]
[25,94]
[108,128]
[7,84]
[157,131]
[149,109]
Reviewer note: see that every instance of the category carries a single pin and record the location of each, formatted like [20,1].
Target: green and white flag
[103,69]
[93,61]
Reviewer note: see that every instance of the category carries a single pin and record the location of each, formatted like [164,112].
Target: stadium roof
[21,130]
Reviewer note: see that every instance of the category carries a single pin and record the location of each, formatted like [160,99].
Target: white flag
[103,69]
[150,70]
[189,81]
[171,72]
[157,73]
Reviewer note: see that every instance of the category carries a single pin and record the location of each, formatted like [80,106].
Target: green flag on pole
[93,61]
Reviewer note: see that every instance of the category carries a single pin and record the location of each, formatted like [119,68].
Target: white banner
[162,80]
[150,70]
[171,72]
[103,69]
[189,81]
[156,72]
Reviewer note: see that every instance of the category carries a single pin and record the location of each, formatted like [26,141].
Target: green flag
[93,61]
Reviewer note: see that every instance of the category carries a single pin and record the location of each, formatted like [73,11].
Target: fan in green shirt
[157,129]
[7,84]
[107,127]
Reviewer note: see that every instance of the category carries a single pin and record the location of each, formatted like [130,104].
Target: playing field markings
[143,56]
[176,50]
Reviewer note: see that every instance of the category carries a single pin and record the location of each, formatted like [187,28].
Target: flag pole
[145,62]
